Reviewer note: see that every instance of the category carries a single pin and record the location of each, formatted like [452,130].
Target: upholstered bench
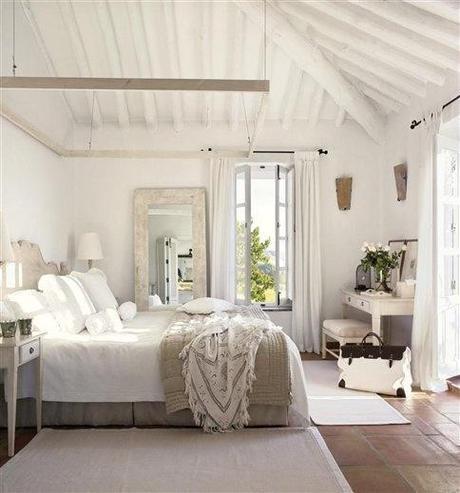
[343,330]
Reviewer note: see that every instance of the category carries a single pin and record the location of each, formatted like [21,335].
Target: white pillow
[68,301]
[127,310]
[104,321]
[204,306]
[32,304]
[95,283]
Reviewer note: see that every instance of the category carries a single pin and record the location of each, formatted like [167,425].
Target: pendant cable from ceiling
[90,143]
[14,39]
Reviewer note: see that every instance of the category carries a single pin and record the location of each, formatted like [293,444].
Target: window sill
[276,308]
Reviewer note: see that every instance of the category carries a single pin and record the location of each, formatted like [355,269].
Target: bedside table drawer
[361,304]
[29,351]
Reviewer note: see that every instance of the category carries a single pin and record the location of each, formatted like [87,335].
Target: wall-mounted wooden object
[343,186]
[400,172]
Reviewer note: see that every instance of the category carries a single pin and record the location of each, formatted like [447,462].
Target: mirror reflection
[170,254]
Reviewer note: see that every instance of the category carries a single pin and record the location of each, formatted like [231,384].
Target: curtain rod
[416,123]
[320,151]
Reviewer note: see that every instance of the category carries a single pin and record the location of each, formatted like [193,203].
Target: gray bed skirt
[131,414]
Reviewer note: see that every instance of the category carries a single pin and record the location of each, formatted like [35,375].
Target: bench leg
[323,346]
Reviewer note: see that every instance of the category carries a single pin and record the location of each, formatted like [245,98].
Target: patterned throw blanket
[217,365]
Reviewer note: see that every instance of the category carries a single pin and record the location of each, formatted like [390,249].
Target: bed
[114,379]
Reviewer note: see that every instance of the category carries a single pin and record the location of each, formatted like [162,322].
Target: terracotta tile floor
[421,457]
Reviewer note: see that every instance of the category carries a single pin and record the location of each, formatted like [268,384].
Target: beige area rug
[179,460]
[329,404]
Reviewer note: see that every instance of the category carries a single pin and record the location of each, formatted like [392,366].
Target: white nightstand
[14,352]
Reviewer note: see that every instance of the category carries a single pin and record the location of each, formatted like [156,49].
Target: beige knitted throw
[217,365]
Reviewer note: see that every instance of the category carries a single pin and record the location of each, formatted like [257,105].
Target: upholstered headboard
[27,269]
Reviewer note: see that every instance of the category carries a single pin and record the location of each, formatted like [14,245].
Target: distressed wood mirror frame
[143,199]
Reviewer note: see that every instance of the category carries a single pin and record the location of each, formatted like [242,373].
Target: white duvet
[121,366]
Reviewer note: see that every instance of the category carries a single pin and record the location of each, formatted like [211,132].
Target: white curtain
[306,308]
[221,212]
[424,324]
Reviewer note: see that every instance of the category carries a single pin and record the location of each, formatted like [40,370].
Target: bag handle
[373,334]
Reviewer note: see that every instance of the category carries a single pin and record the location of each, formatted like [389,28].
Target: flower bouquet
[382,260]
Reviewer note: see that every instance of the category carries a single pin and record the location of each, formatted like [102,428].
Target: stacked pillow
[84,300]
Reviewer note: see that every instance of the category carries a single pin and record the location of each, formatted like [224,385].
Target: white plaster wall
[103,190]
[36,193]
[400,219]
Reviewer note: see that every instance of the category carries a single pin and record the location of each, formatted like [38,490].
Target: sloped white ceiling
[390,60]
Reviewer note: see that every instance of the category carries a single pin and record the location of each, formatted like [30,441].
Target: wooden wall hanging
[343,186]
[400,172]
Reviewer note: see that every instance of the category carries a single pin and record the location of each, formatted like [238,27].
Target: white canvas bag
[381,369]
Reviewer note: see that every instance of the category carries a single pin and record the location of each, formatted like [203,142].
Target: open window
[264,234]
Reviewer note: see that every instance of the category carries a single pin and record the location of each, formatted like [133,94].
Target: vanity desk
[377,306]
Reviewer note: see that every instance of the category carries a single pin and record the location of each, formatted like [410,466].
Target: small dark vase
[8,328]
[25,326]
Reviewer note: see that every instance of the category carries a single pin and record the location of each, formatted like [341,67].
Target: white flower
[363,248]
[404,248]
[365,244]
[379,245]
[372,248]
[386,248]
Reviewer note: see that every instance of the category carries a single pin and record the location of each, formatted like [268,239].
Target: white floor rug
[173,460]
[331,405]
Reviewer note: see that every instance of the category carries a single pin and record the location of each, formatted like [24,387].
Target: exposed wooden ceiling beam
[388,104]
[379,69]
[143,62]
[105,21]
[418,20]
[29,15]
[237,63]
[340,119]
[448,10]
[81,57]
[174,58]
[309,57]
[364,44]
[396,36]
[206,59]
[124,84]
[291,96]
[373,81]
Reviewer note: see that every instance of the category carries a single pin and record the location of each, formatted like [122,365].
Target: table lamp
[89,248]
[6,252]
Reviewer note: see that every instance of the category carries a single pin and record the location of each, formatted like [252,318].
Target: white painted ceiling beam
[448,10]
[81,57]
[394,76]
[291,96]
[238,58]
[27,8]
[396,36]
[387,103]
[309,57]
[364,44]
[105,21]
[315,106]
[373,81]
[418,20]
[143,62]
[340,119]
[206,58]
[171,34]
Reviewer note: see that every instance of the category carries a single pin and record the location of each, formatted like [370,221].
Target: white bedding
[121,366]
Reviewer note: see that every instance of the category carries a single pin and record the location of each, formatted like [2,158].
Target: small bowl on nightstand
[8,328]
[25,326]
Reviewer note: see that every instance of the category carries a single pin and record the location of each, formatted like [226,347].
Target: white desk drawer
[29,351]
[356,302]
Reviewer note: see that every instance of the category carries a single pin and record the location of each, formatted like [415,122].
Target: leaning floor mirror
[169,246]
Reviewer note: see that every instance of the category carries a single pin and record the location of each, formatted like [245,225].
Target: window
[264,234]
[448,241]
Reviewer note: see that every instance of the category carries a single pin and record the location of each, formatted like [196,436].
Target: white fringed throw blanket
[218,370]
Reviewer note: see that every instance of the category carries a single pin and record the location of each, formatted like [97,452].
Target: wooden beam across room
[133,84]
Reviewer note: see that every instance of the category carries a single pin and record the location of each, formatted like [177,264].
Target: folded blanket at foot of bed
[272,384]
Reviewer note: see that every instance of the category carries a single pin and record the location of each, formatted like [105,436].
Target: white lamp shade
[89,247]
[6,251]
